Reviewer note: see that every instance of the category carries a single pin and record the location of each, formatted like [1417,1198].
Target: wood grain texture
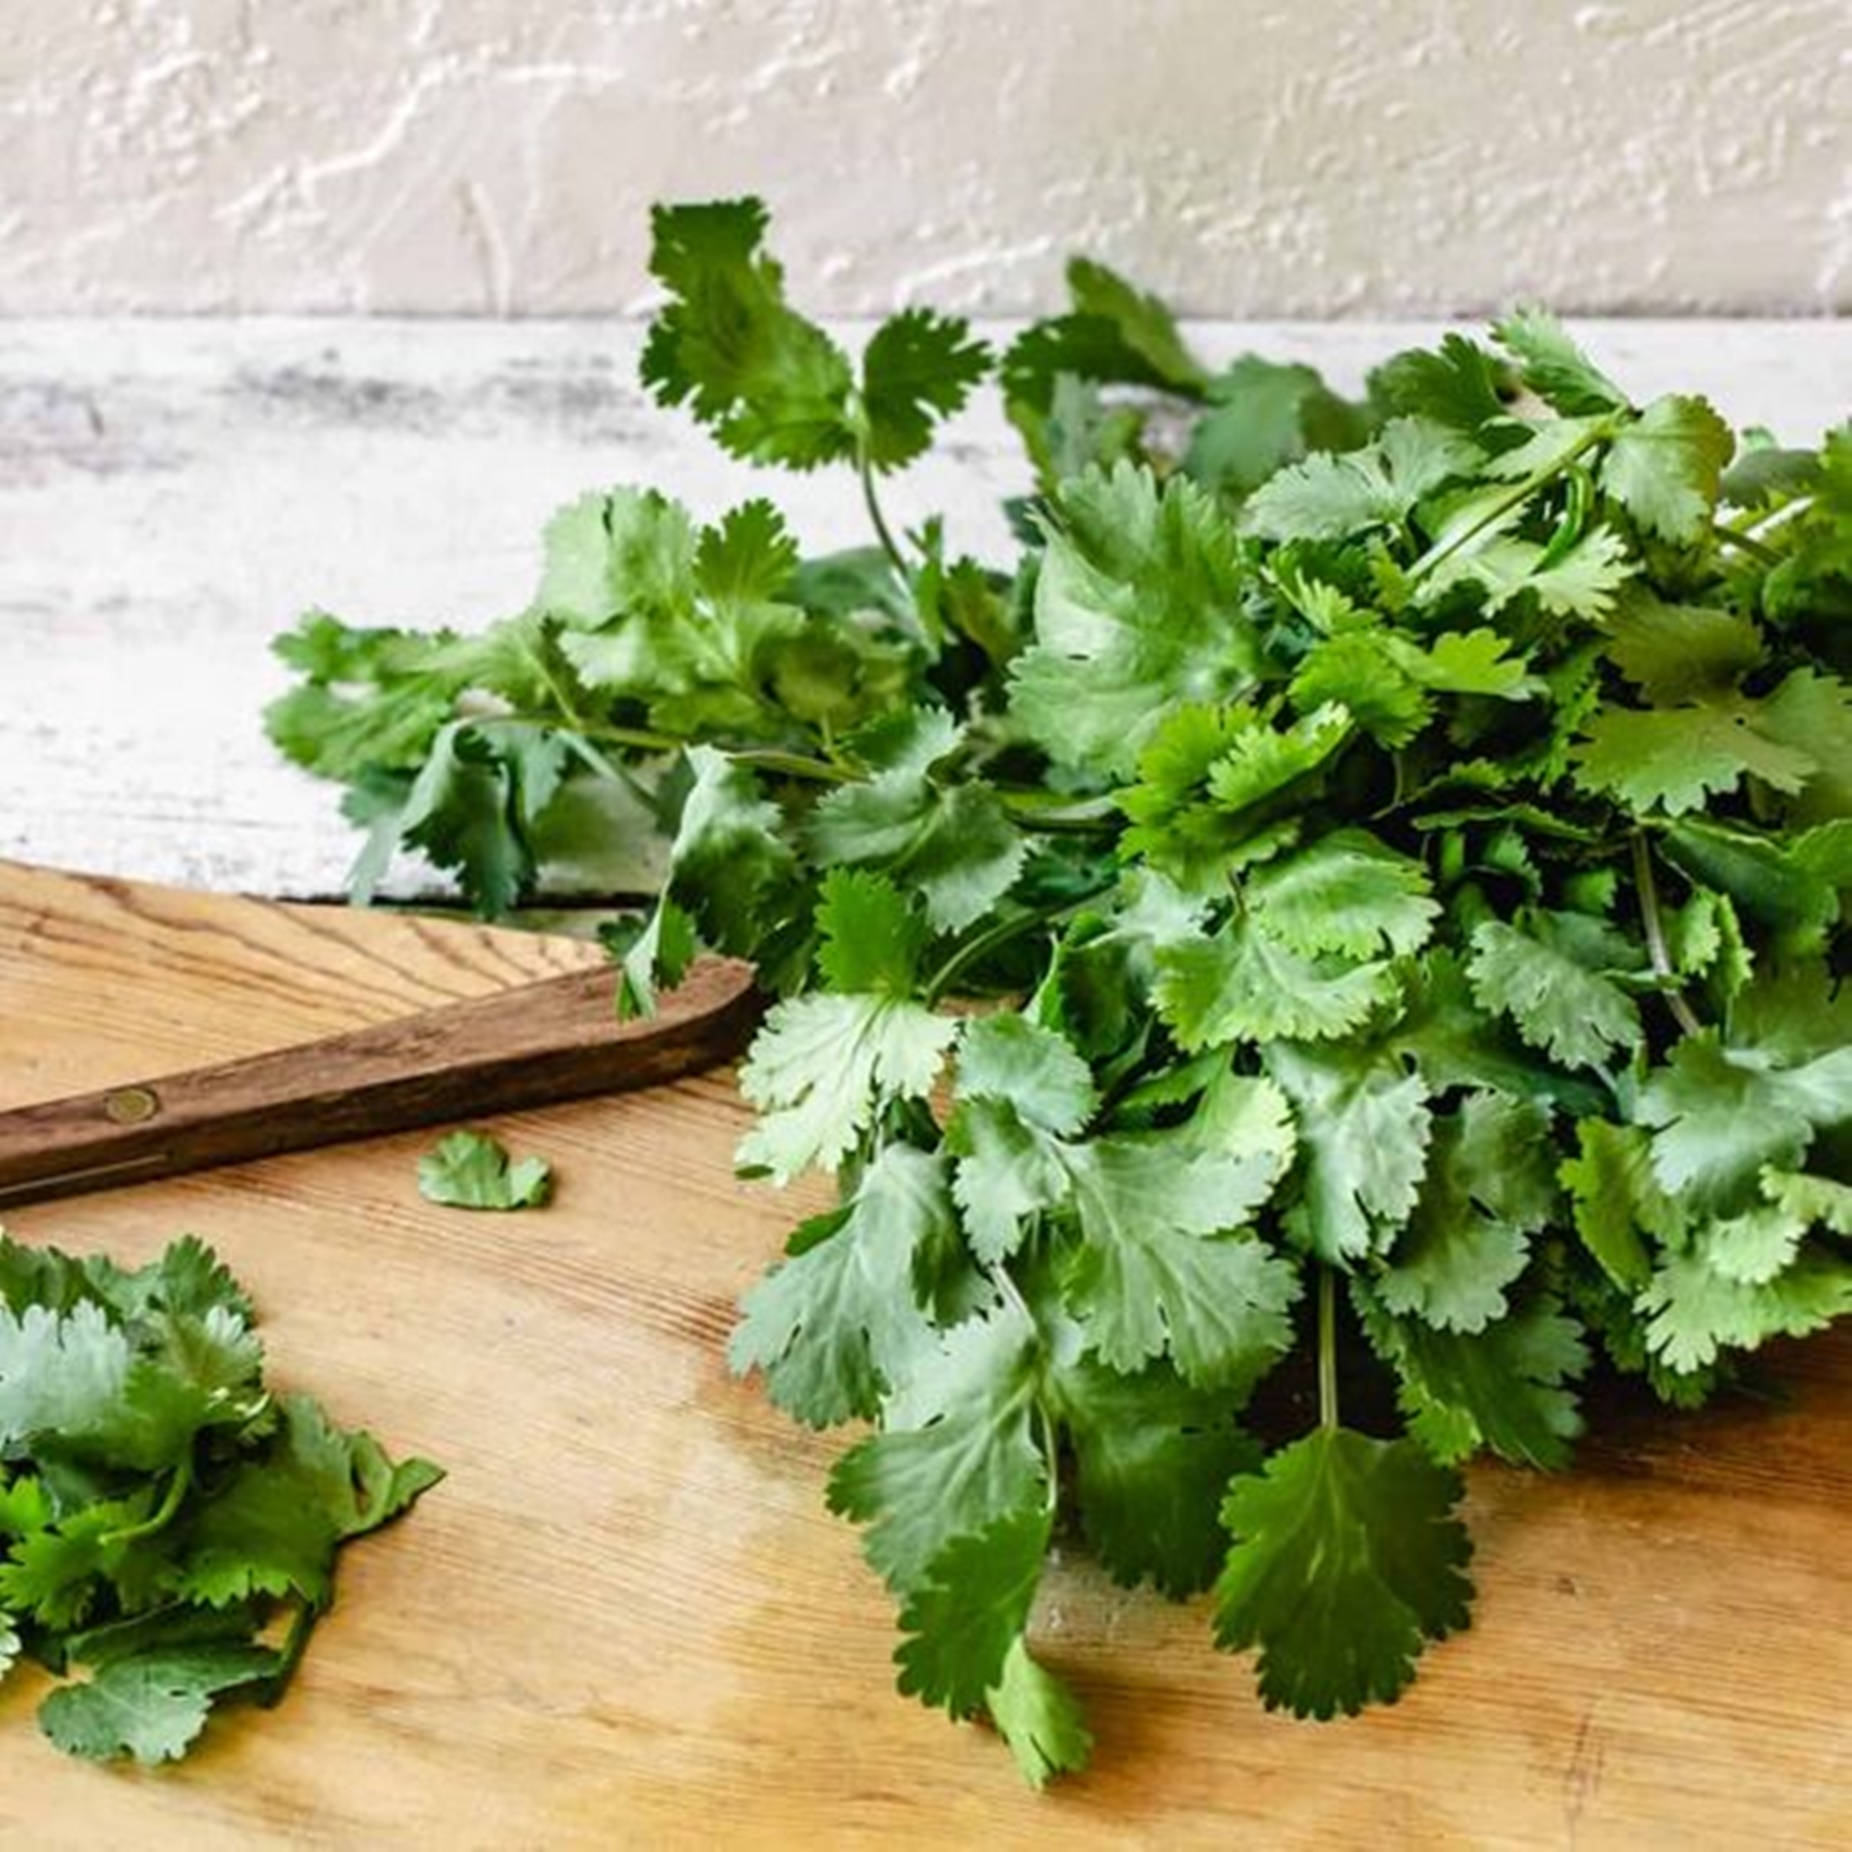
[626,1620]
[173,493]
[535,1044]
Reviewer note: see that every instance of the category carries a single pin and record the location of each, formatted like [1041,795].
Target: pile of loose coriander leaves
[166,1522]
[1402,844]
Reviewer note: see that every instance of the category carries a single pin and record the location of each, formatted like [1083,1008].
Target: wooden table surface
[626,1619]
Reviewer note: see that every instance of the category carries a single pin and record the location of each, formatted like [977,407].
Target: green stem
[1327,1349]
[1656,948]
[793,765]
[163,1514]
[1000,933]
[289,1656]
[864,468]
[632,739]
[1730,537]
[1513,498]
[567,707]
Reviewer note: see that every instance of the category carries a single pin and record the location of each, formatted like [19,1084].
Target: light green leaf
[1549,976]
[1039,1718]
[1348,893]
[834,1325]
[1364,1128]
[1245,985]
[469,1170]
[1665,467]
[1138,604]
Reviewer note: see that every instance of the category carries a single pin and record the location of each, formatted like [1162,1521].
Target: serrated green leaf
[1348,893]
[152,1705]
[969,1610]
[1548,976]
[470,1170]
[1665,467]
[956,1452]
[1245,985]
[1364,1128]
[1138,604]
[1347,1560]
[834,1326]
[1039,1718]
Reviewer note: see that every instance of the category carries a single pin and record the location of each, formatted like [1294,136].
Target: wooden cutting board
[626,1619]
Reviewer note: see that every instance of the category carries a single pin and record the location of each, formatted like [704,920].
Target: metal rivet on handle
[130,1106]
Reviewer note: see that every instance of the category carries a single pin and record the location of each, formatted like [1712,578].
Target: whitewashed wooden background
[174,493]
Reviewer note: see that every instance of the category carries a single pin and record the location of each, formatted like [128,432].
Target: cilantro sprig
[1396,848]
[167,1522]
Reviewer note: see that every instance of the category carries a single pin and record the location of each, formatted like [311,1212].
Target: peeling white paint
[1327,157]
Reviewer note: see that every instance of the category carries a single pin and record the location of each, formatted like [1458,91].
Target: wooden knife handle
[530,1046]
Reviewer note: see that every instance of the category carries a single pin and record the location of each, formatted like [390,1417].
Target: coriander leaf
[1694,1311]
[1364,1128]
[968,1612]
[822,1066]
[1488,1187]
[1550,976]
[657,957]
[1458,384]
[919,367]
[1349,893]
[1615,1198]
[1554,367]
[1008,1169]
[1338,497]
[1263,416]
[1038,1717]
[1245,985]
[151,1705]
[1718,1115]
[1753,1246]
[1138,604]
[1152,1273]
[273,1527]
[470,1170]
[1347,1559]
[956,1452]
[1676,652]
[772,386]
[1812,714]
[955,846]
[59,1374]
[1362,672]
[626,553]
[1810,1199]
[871,939]
[1007,1057]
[1141,321]
[462,812]
[1504,1387]
[1665,466]
[1151,1457]
[1672,757]
[833,1326]
[1582,580]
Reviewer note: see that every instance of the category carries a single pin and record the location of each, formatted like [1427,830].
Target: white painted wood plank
[173,493]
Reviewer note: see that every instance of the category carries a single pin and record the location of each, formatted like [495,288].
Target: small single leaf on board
[470,1170]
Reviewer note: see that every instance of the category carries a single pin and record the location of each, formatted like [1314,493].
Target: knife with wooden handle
[533,1045]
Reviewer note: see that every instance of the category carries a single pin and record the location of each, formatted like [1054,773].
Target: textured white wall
[1317,157]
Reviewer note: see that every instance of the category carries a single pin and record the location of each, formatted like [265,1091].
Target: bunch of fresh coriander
[167,1522]
[1400,849]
